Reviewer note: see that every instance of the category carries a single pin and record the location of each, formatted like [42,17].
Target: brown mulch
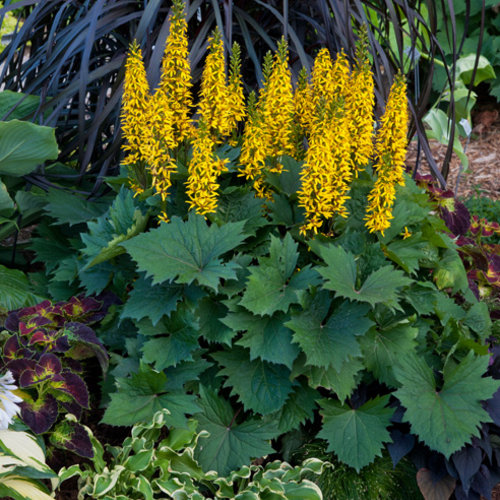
[483,152]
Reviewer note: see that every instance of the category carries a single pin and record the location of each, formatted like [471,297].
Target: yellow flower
[236,99]
[214,96]
[134,104]
[340,77]
[326,175]
[204,170]
[390,153]
[278,105]
[322,78]
[175,82]
[406,233]
[360,101]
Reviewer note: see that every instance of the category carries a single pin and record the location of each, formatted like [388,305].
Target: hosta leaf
[450,272]
[187,251]
[151,301]
[447,418]
[24,146]
[230,444]
[356,435]
[381,286]
[6,202]
[383,348]
[261,386]
[266,336]
[273,285]
[140,396]
[329,343]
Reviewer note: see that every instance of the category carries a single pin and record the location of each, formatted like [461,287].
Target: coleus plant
[45,347]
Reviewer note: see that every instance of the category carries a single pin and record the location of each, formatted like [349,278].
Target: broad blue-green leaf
[356,435]
[187,251]
[406,253]
[105,236]
[445,418]
[24,146]
[341,381]
[329,342]
[151,301]
[381,286]
[231,444]
[68,208]
[483,69]
[273,285]
[383,348]
[9,99]
[266,337]
[140,396]
[261,386]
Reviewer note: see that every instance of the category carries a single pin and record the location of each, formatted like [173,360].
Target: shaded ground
[483,152]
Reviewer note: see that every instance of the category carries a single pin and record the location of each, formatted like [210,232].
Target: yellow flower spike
[322,78]
[278,105]
[254,147]
[303,101]
[235,88]
[390,153]
[175,82]
[360,102]
[204,169]
[214,95]
[340,77]
[134,104]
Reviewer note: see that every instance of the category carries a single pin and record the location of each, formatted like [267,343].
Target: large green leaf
[382,348]
[152,301]
[139,397]
[231,444]
[6,202]
[381,286]
[266,336]
[261,386]
[356,435]
[210,313]
[445,418]
[24,146]
[179,338]
[330,342]
[273,285]
[68,208]
[298,408]
[8,99]
[105,236]
[14,289]
[187,251]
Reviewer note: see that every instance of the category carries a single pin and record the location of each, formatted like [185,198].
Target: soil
[483,151]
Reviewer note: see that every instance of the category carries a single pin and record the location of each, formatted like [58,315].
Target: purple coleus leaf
[457,220]
[42,336]
[73,437]
[48,364]
[41,414]
[18,366]
[12,321]
[72,384]
[31,377]
[72,407]
[84,344]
